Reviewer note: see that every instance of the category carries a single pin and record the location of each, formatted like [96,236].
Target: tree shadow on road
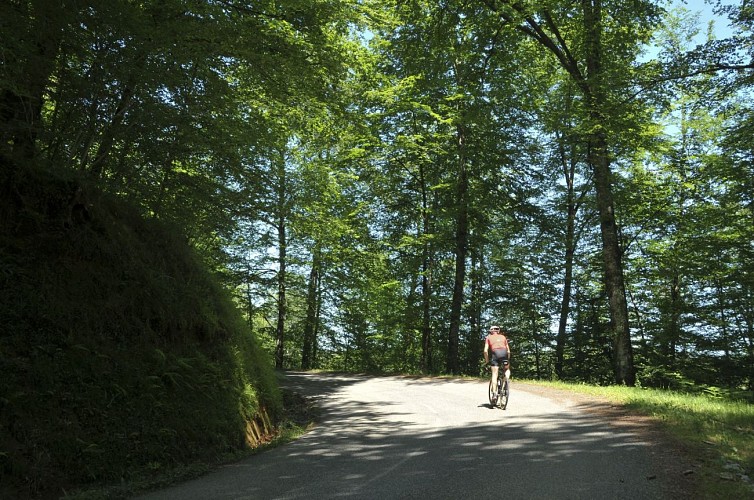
[370,449]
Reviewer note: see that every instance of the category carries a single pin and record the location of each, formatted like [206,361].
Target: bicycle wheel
[493,401]
[504,395]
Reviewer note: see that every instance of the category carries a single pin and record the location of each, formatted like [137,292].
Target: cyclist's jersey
[496,342]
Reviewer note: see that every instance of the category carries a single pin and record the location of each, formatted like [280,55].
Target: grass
[718,431]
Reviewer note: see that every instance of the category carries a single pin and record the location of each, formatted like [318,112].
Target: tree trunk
[317,323]
[426,360]
[474,350]
[282,263]
[462,236]
[674,326]
[310,326]
[537,356]
[280,328]
[426,356]
[599,160]
[569,171]
[611,253]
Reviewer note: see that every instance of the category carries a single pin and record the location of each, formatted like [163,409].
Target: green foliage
[662,378]
[120,354]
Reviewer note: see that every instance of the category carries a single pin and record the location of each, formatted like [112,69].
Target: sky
[705,10]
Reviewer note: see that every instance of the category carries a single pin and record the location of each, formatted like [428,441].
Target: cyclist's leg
[494,369]
[493,389]
[505,364]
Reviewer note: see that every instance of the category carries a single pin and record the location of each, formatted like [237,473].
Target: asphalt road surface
[397,437]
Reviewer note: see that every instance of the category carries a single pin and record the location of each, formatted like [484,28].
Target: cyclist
[497,353]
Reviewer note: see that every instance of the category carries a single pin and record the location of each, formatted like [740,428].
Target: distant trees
[379,181]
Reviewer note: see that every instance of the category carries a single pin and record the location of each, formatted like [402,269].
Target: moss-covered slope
[119,352]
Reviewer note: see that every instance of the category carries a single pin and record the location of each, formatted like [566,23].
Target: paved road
[394,438]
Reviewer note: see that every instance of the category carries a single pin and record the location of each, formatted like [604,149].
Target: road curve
[399,437]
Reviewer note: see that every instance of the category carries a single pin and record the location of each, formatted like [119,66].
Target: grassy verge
[718,431]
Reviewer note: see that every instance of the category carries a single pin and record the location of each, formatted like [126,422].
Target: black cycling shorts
[499,357]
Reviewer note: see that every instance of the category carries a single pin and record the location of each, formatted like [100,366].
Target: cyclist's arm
[486,351]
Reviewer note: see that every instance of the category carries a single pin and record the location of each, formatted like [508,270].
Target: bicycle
[503,390]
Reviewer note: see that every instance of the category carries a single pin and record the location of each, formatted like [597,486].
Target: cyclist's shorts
[499,357]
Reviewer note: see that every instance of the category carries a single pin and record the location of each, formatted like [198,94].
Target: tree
[594,53]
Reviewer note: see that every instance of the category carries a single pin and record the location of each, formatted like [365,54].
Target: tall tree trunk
[748,317]
[569,174]
[310,325]
[317,323]
[282,262]
[280,327]
[474,350]
[723,318]
[565,309]
[426,359]
[426,356]
[462,236]
[674,325]
[599,159]
[611,253]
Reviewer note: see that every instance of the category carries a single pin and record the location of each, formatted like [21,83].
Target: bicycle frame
[502,390]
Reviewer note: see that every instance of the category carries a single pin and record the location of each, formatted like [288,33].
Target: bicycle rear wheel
[504,395]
